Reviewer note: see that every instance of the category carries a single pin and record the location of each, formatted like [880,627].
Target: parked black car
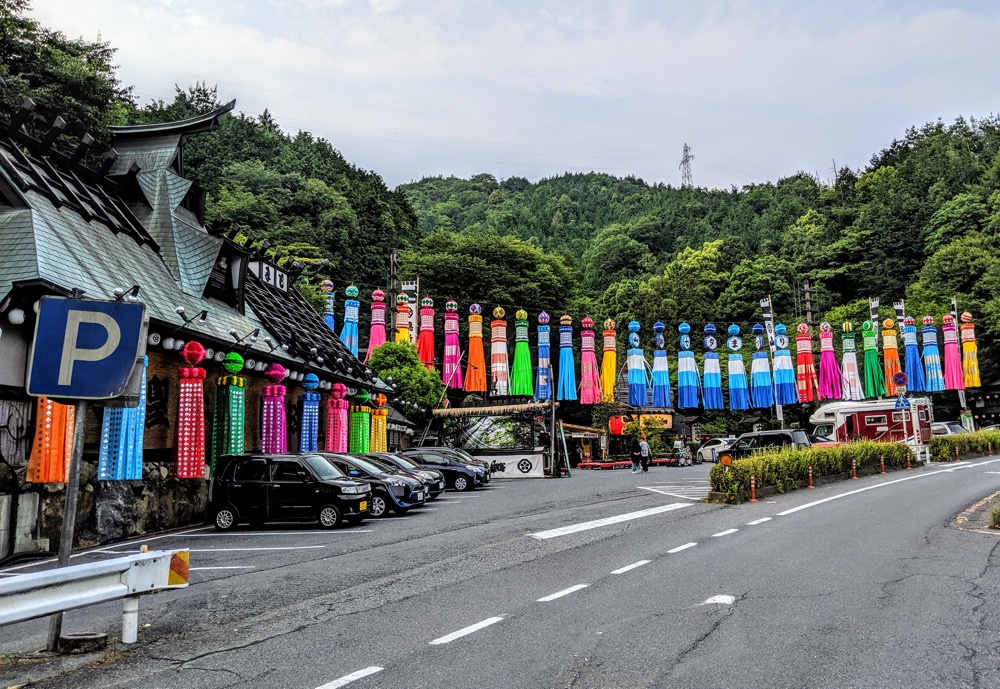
[390,492]
[462,456]
[748,443]
[434,482]
[258,488]
[458,474]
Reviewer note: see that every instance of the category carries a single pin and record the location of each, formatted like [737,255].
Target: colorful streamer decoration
[230,402]
[499,371]
[830,376]
[661,369]
[890,356]
[638,390]
[954,378]
[521,383]
[376,334]
[53,444]
[336,419]
[451,369]
[874,385]
[327,287]
[739,394]
[590,375]
[805,365]
[785,383]
[761,389]
[688,380]
[309,434]
[349,332]
[850,383]
[425,338]
[273,427]
[970,353]
[402,318]
[380,425]
[933,370]
[543,390]
[122,430]
[567,367]
[712,393]
[191,414]
[609,362]
[475,370]
[361,424]
[914,367]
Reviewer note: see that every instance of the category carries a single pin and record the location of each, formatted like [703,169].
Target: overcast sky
[535,88]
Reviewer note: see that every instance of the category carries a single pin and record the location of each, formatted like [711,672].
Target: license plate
[418,495]
[362,506]
[441,485]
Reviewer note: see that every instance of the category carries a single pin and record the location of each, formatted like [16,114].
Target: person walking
[636,451]
[644,454]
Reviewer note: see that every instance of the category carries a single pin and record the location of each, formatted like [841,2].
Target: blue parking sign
[85,350]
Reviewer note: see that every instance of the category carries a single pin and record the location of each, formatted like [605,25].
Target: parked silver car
[705,454]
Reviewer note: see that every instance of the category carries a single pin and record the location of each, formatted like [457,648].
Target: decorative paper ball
[475,308]
[193,353]
[966,317]
[609,324]
[275,373]
[947,319]
[427,302]
[232,362]
[565,320]
[733,329]
[499,313]
[757,329]
[326,286]
[887,323]
[847,327]
[521,315]
[867,326]
[310,381]
[338,391]
[378,400]
[351,291]
[587,322]
[909,320]
[803,328]
[658,327]
[780,329]
[710,329]
[362,396]
[543,318]
[451,306]
[378,295]
[927,320]
[402,299]
[633,326]
[683,328]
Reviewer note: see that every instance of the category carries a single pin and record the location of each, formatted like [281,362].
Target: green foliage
[415,384]
[976,444]
[995,517]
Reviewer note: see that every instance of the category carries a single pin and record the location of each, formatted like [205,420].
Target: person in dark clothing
[636,455]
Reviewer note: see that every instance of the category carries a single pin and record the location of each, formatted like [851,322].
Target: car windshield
[322,467]
[383,464]
[462,455]
[408,461]
[368,466]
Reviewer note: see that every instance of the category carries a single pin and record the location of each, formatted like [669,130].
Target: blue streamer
[661,380]
[687,381]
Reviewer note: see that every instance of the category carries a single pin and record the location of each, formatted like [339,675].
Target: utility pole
[685,167]
[807,301]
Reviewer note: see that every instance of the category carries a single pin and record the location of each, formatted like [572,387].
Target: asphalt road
[857,584]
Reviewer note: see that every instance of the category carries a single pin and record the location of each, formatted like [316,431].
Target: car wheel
[462,483]
[329,516]
[379,507]
[225,518]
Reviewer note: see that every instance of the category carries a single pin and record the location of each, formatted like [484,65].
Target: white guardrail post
[38,594]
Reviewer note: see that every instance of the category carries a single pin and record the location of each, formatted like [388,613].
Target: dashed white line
[682,547]
[626,568]
[759,521]
[281,533]
[447,638]
[347,679]
[560,594]
[198,569]
[724,533]
[584,526]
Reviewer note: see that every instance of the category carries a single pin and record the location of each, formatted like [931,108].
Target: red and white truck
[875,420]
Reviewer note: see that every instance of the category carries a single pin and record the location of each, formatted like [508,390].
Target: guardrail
[37,594]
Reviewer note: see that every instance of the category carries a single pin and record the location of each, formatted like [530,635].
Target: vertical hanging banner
[712,393]
[567,366]
[638,390]
[451,368]
[122,432]
[590,377]
[376,333]
[609,362]
[273,431]
[739,395]
[521,372]
[772,337]
[543,390]
[309,433]
[475,370]
[336,419]
[425,338]
[380,427]
[954,377]
[761,388]
[499,371]
[850,386]
[55,424]
[688,381]
[914,367]
[970,352]
[805,370]
[933,370]
[191,414]
[402,318]
[228,431]
[349,331]
[661,369]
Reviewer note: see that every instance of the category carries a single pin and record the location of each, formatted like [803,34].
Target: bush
[968,444]
[995,518]
[782,468]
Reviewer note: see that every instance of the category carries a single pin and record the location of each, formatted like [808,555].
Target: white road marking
[626,568]
[253,550]
[428,509]
[607,521]
[686,492]
[957,465]
[198,569]
[347,679]
[279,533]
[465,631]
[991,472]
[682,547]
[720,600]
[759,521]
[724,533]
[560,594]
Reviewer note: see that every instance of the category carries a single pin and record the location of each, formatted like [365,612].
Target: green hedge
[781,468]
[969,445]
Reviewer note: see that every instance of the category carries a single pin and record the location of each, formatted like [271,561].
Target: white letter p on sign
[71,353]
